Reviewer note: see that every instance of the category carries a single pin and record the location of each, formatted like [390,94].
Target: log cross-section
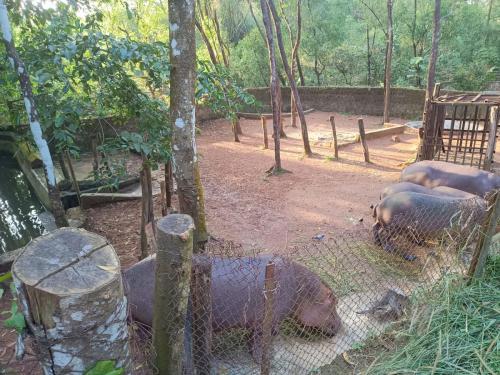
[70,290]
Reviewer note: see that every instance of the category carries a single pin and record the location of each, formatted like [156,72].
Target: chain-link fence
[294,311]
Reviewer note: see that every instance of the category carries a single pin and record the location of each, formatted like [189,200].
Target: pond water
[19,207]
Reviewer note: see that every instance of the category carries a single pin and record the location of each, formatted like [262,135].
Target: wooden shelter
[461,129]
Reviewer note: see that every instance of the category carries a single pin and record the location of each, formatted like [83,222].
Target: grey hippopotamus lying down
[432,173]
[238,299]
[415,188]
[421,216]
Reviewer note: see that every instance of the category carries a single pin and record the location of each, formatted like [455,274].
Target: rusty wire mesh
[325,296]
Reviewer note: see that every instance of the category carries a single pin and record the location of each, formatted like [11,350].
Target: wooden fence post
[172,284]
[264,129]
[267,324]
[362,137]
[234,125]
[201,296]
[162,198]
[71,294]
[334,132]
[73,176]
[488,229]
[169,182]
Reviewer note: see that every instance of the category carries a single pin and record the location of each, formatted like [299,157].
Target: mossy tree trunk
[182,111]
[33,117]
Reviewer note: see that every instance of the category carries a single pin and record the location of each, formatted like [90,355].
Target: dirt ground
[319,196]
[243,204]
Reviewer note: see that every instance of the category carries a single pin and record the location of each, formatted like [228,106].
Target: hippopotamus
[412,187]
[430,173]
[422,216]
[238,301]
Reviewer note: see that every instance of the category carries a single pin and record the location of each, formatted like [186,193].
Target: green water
[19,207]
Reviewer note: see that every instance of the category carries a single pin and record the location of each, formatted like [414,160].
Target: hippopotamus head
[320,312]
[316,304]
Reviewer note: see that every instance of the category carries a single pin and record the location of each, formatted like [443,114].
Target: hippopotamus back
[431,173]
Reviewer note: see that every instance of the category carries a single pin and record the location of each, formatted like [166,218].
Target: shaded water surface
[19,207]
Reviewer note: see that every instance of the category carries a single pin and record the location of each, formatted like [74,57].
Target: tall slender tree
[388,63]
[183,115]
[33,117]
[291,79]
[274,85]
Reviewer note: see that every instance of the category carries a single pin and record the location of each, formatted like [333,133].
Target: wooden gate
[461,129]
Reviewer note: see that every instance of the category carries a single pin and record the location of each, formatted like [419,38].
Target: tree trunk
[368,58]
[388,62]
[64,169]
[274,85]
[301,74]
[295,53]
[431,78]
[33,118]
[210,49]
[71,293]
[222,46]
[291,79]
[182,112]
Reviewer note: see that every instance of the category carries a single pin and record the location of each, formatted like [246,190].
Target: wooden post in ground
[238,126]
[70,290]
[144,214]
[173,274]
[95,157]
[362,137]
[334,132]
[267,324]
[264,130]
[201,285]
[73,176]
[486,233]
[234,125]
[169,182]
[162,198]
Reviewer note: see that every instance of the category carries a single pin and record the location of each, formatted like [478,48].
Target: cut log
[70,288]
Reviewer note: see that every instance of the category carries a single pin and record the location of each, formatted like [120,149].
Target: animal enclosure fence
[461,129]
[296,311]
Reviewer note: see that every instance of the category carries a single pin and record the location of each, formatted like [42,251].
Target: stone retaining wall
[406,103]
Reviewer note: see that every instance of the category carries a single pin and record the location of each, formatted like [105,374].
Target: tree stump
[71,294]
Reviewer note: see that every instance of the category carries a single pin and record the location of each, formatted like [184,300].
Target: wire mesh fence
[295,311]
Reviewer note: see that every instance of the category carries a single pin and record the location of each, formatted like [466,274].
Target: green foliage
[16,320]
[217,90]
[104,368]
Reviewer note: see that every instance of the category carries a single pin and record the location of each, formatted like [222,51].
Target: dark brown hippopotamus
[432,173]
[422,216]
[415,188]
[238,295]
